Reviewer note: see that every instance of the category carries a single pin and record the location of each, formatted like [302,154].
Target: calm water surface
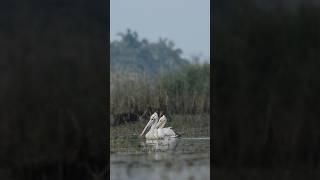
[184,158]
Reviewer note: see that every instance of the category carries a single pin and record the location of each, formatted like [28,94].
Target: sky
[185,22]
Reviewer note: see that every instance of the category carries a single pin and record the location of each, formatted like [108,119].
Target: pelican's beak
[145,128]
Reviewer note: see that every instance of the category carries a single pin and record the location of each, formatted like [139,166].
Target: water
[139,159]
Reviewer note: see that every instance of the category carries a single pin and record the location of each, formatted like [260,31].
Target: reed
[186,91]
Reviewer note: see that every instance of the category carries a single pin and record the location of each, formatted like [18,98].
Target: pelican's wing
[168,132]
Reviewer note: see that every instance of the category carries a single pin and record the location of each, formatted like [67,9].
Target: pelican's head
[162,121]
[153,119]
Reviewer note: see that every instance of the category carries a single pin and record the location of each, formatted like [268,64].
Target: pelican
[157,129]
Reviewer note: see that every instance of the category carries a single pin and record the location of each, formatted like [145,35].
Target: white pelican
[157,130]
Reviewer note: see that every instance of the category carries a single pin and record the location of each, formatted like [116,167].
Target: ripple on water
[184,159]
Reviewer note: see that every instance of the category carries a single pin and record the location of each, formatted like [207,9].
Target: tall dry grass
[186,91]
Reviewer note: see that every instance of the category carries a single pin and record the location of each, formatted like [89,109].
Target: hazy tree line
[52,90]
[132,55]
[266,86]
[149,76]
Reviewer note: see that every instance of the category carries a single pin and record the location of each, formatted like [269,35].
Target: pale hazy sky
[185,22]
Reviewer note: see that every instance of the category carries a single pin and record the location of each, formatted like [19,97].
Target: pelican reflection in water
[162,144]
[160,148]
